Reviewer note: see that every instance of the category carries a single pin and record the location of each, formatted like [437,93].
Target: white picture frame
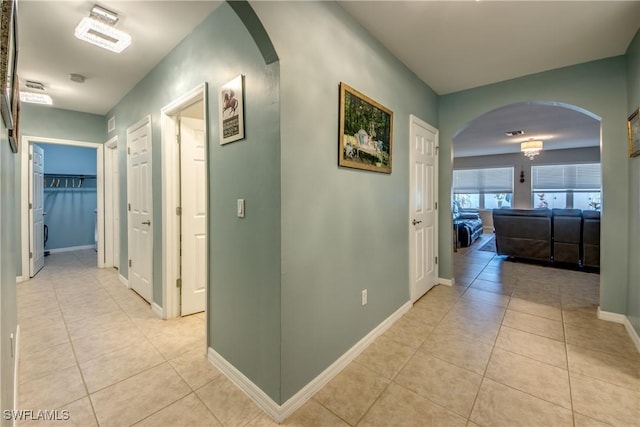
[231,107]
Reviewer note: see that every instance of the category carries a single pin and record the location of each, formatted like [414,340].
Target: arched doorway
[491,172]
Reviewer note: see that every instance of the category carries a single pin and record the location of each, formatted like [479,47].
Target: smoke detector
[78,78]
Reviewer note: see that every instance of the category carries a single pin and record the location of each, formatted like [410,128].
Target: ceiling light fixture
[531,148]
[103,14]
[36,98]
[98,30]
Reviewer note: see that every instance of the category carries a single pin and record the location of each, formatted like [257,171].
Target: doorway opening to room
[62,205]
[558,185]
[185,204]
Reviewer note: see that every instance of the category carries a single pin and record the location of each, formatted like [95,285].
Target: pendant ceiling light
[531,148]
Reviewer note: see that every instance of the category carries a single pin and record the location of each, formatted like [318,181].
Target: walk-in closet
[70,197]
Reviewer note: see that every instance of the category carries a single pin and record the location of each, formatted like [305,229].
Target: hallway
[510,344]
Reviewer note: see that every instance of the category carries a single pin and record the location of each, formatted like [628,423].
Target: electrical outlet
[364,297]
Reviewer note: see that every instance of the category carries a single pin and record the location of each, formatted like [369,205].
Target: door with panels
[423,207]
[140,208]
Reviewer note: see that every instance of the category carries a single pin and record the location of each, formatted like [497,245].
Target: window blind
[491,180]
[584,177]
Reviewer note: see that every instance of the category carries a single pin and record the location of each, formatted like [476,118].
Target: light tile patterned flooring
[510,345]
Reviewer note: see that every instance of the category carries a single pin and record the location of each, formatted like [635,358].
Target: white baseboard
[621,318]
[280,412]
[71,249]
[20,279]
[158,310]
[16,371]
[447,282]
[123,280]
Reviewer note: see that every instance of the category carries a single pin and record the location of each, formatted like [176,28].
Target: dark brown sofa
[523,233]
[567,236]
[591,238]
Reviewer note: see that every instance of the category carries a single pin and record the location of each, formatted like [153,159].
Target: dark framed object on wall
[231,104]
[366,132]
[14,134]
[633,127]
[8,61]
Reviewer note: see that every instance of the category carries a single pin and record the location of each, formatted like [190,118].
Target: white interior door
[140,207]
[193,194]
[423,208]
[36,203]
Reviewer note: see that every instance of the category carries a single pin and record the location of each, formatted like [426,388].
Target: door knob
[147,222]
[414,222]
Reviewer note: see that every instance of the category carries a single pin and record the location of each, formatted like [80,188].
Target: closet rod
[66,181]
[65,175]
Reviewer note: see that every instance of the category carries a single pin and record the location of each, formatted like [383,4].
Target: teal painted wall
[70,209]
[343,230]
[633,101]
[244,292]
[598,87]
[48,122]
[8,262]
[67,159]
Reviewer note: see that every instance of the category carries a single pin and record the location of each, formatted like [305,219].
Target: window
[566,186]
[483,188]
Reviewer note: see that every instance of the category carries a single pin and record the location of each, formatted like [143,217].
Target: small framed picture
[366,132]
[231,102]
[633,126]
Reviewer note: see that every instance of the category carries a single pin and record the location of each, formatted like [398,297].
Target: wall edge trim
[446,282]
[123,280]
[157,310]
[71,249]
[623,319]
[16,370]
[280,412]
[20,279]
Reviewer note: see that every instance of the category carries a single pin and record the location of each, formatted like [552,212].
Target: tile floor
[510,344]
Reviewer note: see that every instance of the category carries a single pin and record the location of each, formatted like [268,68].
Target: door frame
[26,141]
[170,167]
[112,199]
[414,119]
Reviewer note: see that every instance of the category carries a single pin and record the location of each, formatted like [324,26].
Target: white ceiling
[560,127]
[451,45]
[49,52]
[457,45]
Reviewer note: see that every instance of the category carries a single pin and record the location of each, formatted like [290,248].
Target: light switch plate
[240,208]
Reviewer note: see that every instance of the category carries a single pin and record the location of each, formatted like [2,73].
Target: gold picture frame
[633,127]
[14,134]
[366,132]
[8,60]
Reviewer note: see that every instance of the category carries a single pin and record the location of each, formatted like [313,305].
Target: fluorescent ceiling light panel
[102,35]
[36,98]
